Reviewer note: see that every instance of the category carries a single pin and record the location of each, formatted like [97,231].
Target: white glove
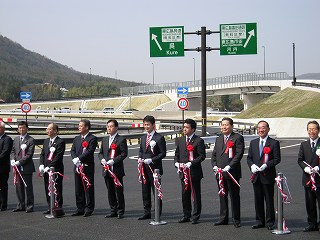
[254,168]
[41,168]
[226,168]
[17,163]
[76,161]
[263,167]
[215,169]
[140,160]
[315,169]
[47,169]
[148,161]
[188,164]
[176,165]
[13,163]
[110,162]
[103,162]
[307,170]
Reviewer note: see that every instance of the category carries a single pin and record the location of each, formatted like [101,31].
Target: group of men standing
[263,156]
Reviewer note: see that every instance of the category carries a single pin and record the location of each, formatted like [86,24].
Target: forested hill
[24,70]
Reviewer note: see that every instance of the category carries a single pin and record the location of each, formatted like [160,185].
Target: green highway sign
[167,41]
[238,38]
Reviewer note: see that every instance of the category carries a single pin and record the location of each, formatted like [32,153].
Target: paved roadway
[35,226]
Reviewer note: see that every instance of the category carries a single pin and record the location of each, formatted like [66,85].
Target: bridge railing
[233,80]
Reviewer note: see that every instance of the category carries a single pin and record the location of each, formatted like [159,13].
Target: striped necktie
[148,140]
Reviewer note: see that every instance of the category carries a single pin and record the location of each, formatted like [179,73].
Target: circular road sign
[183,103]
[25,107]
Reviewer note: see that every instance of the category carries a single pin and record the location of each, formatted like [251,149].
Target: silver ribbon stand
[280,229]
[52,196]
[157,220]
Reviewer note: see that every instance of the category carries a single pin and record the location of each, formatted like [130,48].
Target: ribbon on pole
[141,175]
[157,184]
[285,197]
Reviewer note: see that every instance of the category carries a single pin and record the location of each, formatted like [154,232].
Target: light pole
[153,76]
[194,72]
[264,62]
[294,63]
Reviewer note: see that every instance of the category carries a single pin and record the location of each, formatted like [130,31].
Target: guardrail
[305,84]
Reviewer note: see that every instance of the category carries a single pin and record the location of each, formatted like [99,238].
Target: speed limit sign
[183,103]
[26,107]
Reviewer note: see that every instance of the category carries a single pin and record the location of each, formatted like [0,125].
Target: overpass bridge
[251,87]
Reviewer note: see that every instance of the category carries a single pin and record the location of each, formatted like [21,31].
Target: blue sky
[112,37]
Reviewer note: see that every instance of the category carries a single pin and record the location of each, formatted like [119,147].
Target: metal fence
[250,78]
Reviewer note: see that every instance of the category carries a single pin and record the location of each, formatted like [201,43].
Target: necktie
[261,147]
[50,143]
[225,139]
[110,141]
[312,146]
[82,138]
[148,140]
[187,141]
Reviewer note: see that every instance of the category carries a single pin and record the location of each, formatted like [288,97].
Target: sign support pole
[203,80]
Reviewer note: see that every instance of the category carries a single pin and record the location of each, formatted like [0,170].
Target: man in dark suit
[52,156]
[5,150]
[310,163]
[226,155]
[152,151]
[82,153]
[21,156]
[263,156]
[113,151]
[191,160]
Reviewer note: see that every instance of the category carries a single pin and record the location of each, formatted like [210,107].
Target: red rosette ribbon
[116,181]
[85,145]
[190,149]
[266,151]
[229,149]
[113,147]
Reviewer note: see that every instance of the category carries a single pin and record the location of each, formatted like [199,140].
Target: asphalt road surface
[21,225]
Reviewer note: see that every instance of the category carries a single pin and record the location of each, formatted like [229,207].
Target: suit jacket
[221,159]
[26,163]
[121,152]
[159,151]
[57,160]
[5,150]
[86,157]
[269,174]
[306,154]
[199,155]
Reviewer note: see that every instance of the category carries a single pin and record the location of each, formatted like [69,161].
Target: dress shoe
[184,220]
[237,225]
[270,227]
[87,214]
[256,226]
[146,216]
[3,209]
[194,221]
[18,210]
[77,214]
[120,216]
[311,229]
[29,210]
[220,223]
[111,215]
[46,212]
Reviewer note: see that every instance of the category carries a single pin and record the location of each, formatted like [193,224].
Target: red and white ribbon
[52,150]
[85,145]
[113,147]
[157,184]
[266,151]
[285,198]
[312,180]
[233,179]
[141,175]
[116,181]
[221,192]
[53,182]
[190,149]
[85,180]
[16,172]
